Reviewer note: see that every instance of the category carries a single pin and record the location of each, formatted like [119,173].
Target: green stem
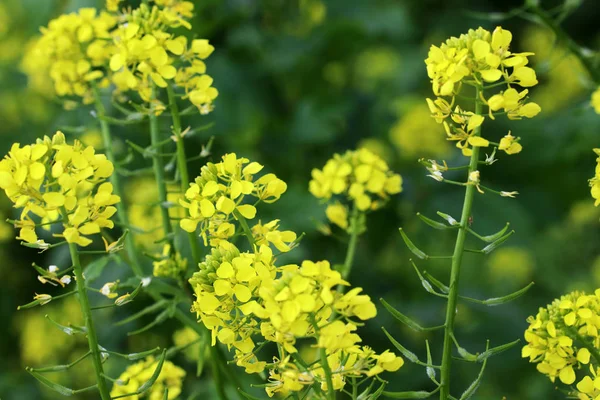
[87,316]
[114,179]
[159,170]
[455,270]
[324,362]
[245,228]
[573,47]
[352,244]
[351,251]
[182,164]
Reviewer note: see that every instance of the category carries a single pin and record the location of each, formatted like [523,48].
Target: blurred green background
[298,81]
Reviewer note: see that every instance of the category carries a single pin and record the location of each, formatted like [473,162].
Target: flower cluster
[146,51]
[224,287]
[475,59]
[595,181]
[73,51]
[170,377]
[244,295]
[559,335]
[216,197]
[359,176]
[131,49]
[52,179]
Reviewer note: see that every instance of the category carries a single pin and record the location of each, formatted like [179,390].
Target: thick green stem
[114,179]
[455,270]
[182,164]
[573,47]
[159,170]
[87,316]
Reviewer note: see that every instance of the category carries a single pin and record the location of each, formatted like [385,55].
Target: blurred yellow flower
[415,134]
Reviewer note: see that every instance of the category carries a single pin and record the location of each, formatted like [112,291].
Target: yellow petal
[248,211]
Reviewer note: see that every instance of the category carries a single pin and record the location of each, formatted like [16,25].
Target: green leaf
[65,391]
[492,246]
[148,384]
[94,269]
[496,350]
[435,224]
[494,301]
[412,247]
[406,320]
[405,352]
[475,385]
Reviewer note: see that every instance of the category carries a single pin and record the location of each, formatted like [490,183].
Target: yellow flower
[360,175]
[50,178]
[595,181]
[145,50]
[337,213]
[170,377]
[216,197]
[551,342]
[265,234]
[509,145]
[73,51]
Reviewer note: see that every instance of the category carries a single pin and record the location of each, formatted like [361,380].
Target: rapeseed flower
[481,59]
[555,335]
[73,51]
[170,377]
[358,176]
[52,179]
[216,197]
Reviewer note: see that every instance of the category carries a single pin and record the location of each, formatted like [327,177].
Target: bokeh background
[298,81]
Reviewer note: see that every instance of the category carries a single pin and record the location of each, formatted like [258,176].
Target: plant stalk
[87,316]
[114,179]
[182,164]
[159,170]
[455,269]
[349,260]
